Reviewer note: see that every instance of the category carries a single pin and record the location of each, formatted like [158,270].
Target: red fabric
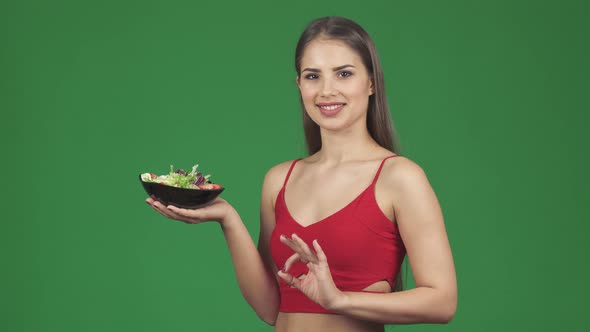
[362,246]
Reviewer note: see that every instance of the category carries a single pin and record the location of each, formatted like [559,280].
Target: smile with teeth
[330,107]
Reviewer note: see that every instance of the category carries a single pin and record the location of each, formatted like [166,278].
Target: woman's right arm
[254,268]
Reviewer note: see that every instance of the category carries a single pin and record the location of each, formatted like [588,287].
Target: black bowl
[180,197]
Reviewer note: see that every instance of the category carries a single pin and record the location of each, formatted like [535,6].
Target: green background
[490,98]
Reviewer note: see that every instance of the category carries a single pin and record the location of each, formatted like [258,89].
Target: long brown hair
[379,122]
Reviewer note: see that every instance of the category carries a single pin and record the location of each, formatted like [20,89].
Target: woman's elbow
[269,320]
[269,317]
[447,311]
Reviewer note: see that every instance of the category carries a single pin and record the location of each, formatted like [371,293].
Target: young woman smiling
[336,225]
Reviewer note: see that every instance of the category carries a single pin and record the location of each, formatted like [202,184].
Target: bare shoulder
[274,178]
[406,180]
[402,171]
[278,170]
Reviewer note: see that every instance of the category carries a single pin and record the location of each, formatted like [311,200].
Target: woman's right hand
[216,210]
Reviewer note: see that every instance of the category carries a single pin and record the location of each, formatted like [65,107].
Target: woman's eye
[345,73]
[311,76]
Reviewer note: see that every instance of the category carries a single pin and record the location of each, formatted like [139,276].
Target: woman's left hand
[318,284]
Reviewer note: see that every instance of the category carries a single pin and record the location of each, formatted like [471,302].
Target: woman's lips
[330,109]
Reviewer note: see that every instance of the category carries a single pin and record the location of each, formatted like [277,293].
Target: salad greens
[179,178]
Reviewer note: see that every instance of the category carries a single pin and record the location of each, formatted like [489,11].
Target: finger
[289,279]
[285,276]
[320,252]
[153,201]
[162,209]
[307,253]
[171,214]
[188,213]
[290,261]
[290,243]
[160,212]
[150,202]
[300,247]
[166,214]
[179,217]
[296,247]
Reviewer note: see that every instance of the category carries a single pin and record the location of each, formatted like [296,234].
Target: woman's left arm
[421,226]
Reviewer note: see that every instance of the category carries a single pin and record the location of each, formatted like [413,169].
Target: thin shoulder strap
[290,169]
[381,166]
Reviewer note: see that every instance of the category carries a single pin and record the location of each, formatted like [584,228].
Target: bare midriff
[311,322]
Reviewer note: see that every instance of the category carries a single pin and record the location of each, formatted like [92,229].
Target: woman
[338,262]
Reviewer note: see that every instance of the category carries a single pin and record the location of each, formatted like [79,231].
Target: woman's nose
[328,88]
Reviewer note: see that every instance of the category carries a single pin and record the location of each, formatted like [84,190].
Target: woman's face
[334,84]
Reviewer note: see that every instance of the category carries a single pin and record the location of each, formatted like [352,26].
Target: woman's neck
[346,145]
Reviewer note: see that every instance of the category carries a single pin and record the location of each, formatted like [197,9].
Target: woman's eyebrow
[315,70]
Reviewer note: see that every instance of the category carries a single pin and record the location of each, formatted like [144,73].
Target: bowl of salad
[183,189]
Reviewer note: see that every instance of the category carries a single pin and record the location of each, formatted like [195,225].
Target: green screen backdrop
[490,98]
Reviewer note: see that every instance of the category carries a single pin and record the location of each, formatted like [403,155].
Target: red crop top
[362,245]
